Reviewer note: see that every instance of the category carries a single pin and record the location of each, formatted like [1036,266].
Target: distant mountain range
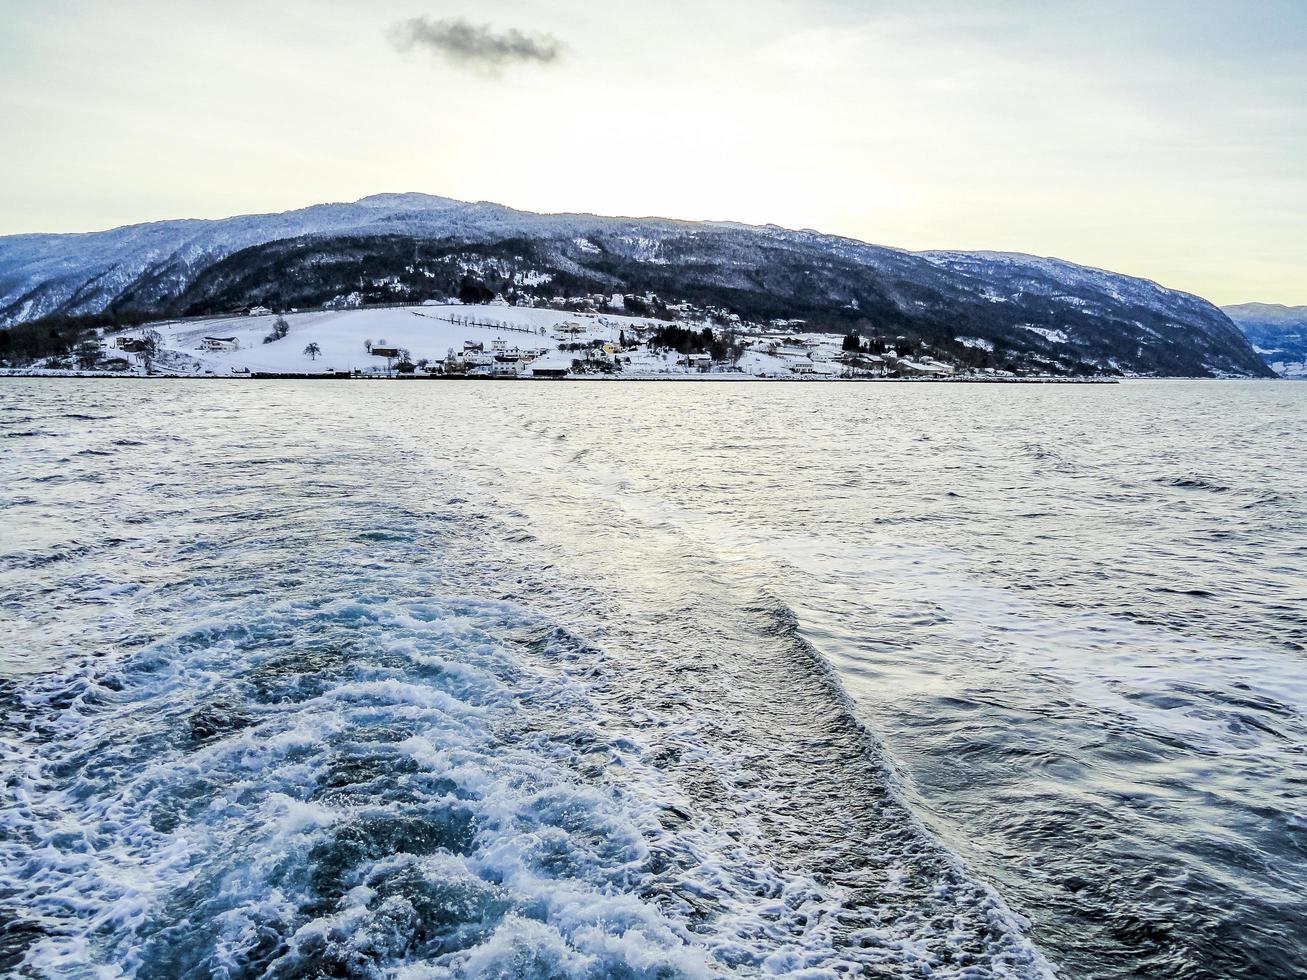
[977,308]
[1278,333]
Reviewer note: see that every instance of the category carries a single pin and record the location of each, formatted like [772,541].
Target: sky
[1160,138]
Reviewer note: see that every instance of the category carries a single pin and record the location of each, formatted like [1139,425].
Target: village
[583,339]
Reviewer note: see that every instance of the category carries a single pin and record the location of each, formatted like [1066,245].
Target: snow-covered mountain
[85,273]
[999,309]
[1278,333]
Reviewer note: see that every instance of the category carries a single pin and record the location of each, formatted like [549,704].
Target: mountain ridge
[1043,313]
[1277,332]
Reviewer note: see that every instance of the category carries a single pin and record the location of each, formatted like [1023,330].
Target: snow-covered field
[491,340]
[426,332]
[1290,369]
[433,333]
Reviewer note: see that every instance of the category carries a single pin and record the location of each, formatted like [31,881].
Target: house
[386,352]
[924,368]
[219,343]
[699,362]
[864,364]
[114,364]
[552,365]
[258,311]
[473,345]
[132,345]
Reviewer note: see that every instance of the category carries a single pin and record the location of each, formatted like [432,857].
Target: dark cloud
[475,45]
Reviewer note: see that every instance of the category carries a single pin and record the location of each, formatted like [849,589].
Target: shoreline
[593,379]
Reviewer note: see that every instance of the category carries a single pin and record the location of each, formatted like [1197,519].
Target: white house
[220,343]
[924,368]
[258,311]
[555,364]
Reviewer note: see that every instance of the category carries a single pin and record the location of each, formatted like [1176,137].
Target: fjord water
[653,679]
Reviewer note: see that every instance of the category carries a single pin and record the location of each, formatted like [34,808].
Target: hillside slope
[1278,333]
[979,308]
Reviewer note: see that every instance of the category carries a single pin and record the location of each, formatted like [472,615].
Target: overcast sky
[1163,138]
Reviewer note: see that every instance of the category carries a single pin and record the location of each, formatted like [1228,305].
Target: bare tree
[313,350]
[150,341]
[88,354]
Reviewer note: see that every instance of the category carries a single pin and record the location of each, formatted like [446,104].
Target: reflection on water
[654,680]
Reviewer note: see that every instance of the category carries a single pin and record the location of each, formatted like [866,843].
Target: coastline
[682,379]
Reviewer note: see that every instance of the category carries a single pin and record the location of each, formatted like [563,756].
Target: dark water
[653,680]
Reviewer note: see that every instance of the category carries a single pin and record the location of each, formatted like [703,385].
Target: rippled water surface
[653,680]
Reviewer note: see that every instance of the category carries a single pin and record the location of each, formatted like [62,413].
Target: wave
[347,763]
[333,787]
[900,875]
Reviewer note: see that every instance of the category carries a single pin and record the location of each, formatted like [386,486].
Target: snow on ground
[1290,369]
[1056,336]
[433,332]
[425,331]
[763,364]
